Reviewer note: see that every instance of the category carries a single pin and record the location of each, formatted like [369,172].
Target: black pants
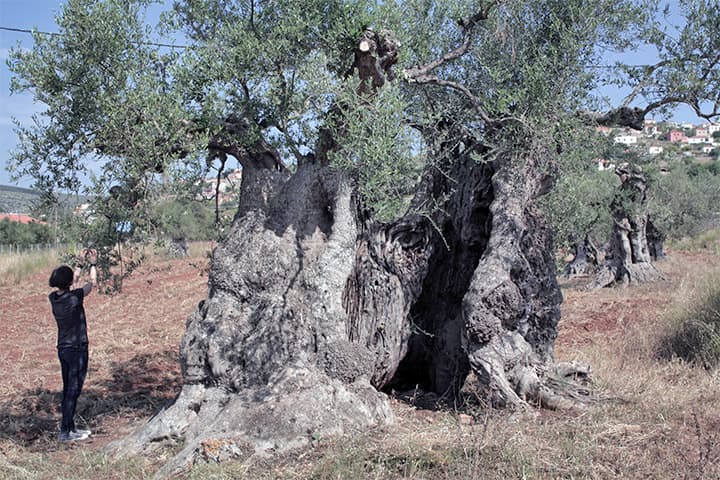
[73,362]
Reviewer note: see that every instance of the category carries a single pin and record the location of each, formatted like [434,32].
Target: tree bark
[586,259]
[314,308]
[629,258]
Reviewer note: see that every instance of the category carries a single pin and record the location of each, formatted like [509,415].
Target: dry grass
[16,267]
[707,241]
[133,370]
[655,419]
[693,323]
[201,250]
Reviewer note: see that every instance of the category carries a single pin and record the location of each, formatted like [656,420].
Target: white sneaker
[87,433]
[72,436]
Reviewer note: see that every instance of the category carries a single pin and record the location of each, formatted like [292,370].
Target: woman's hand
[89,256]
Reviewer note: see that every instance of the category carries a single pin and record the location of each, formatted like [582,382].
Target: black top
[67,307]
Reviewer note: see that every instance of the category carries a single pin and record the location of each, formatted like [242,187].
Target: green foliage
[277,73]
[379,150]
[579,205]
[185,219]
[16,233]
[271,62]
[106,95]
[682,202]
[703,169]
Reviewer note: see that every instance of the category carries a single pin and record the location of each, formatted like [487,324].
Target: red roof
[19,217]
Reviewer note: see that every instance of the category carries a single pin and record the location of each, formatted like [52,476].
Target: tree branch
[467,24]
[258,155]
[474,100]
[625,116]
[423,74]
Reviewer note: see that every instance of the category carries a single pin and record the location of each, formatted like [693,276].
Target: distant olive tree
[185,219]
[685,200]
[578,208]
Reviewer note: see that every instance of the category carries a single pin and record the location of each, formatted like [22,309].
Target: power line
[55,34]
[167,45]
[21,30]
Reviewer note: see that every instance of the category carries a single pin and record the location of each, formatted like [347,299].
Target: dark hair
[61,277]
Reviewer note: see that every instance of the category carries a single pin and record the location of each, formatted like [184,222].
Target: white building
[655,149]
[626,139]
[708,149]
[650,128]
[697,140]
[712,128]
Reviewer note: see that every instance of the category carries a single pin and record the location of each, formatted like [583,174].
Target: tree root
[515,377]
[299,406]
[613,274]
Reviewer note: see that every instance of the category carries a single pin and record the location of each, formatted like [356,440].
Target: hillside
[25,200]
[18,199]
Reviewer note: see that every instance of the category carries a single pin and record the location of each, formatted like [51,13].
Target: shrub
[184,219]
[16,233]
[693,330]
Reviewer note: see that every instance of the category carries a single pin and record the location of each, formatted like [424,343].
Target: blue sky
[40,15]
[25,15]
[18,14]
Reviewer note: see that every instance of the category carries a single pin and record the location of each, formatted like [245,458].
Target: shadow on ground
[137,388]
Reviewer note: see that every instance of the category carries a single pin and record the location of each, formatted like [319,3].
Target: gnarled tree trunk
[586,258]
[629,258]
[314,308]
[656,241]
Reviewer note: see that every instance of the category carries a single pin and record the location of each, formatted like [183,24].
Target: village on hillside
[699,143]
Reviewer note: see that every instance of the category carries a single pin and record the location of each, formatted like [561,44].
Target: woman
[72,345]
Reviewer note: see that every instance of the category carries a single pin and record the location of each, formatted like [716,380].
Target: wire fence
[26,248]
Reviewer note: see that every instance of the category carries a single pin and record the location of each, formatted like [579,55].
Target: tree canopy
[268,72]
[133,121]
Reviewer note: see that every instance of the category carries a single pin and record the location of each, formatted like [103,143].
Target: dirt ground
[600,315]
[133,367]
[134,338]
